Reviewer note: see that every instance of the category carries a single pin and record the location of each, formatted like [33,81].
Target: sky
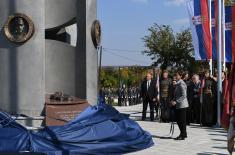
[125,22]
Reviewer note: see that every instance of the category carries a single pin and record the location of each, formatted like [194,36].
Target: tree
[108,78]
[169,50]
[130,76]
[159,44]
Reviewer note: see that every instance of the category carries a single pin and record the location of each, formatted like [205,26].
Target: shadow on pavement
[221,140]
[162,137]
[212,134]
[221,147]
[211,153]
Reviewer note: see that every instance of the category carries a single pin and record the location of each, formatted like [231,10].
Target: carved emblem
[19,28]
[96,33]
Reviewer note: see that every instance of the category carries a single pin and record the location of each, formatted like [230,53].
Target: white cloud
[140,1]
[182,21]
[174,2]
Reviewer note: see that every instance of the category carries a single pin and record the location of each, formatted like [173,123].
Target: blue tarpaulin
[99,129]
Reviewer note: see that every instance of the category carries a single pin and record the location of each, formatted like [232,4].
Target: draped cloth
[98,130]
[228,115]
[226,104]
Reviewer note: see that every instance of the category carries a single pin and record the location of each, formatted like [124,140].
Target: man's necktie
[147,85]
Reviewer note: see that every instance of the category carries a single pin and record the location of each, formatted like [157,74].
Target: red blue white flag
[230,30]
[200,26]
[227,30]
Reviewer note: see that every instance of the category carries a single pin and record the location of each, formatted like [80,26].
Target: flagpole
[223,30]
[211,60]
[219,62]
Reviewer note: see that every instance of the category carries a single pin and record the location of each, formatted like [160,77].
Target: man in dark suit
[149,95]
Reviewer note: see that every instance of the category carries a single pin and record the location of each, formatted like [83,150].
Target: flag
[199,21]
[214,14]
[230,31]
[214,28]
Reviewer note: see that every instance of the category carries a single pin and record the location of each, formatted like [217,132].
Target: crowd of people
[180,98]
[201,95]
[125,95]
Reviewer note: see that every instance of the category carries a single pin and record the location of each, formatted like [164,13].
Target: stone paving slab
[200,141]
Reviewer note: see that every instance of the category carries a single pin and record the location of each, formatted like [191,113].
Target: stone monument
[36,54]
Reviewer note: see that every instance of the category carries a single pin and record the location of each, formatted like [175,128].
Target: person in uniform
[124,95]
[149,95]
[165,90]
[208,110]
[119,96]
[102,94]
[129,94]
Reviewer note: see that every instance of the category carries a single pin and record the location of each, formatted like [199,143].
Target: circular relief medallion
[19,28]
[96,33]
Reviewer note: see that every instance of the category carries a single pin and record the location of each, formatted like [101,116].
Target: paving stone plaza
[200,141]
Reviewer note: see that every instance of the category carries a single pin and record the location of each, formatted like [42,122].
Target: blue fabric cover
[98,130]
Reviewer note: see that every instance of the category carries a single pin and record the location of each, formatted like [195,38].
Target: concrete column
[22,66]
[87,56]
[28,71]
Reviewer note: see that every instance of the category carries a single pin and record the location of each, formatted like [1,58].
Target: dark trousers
[181,121]
[208,113]
[156,106]
[165,110]
[196,105]
[145,106]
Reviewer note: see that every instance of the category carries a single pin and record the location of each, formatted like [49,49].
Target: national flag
[214,28]
[214,13]
[230,31]
[200,26]
[228,13]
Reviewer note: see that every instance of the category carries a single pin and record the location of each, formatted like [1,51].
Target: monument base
[60,112]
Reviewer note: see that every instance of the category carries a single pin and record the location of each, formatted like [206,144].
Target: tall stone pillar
[43,63]
[86,52]
[22,67]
